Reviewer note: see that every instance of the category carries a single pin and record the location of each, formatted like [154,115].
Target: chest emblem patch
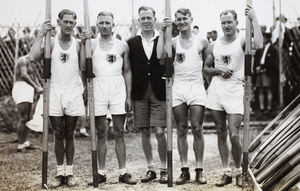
[64,57]
[180,57]
[226,59]
[111,58]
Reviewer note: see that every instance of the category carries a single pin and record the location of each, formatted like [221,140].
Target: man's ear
[58,21]
[237,23]
[154,19]
[113,24]
[192,19]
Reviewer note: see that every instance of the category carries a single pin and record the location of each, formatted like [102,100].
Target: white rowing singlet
[107,63]
[230,56]
[188,63]
[64,65]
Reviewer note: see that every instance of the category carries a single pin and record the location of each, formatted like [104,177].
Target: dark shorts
[149,111]
[263,80]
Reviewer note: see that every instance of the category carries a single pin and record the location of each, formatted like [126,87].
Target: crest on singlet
[226,59]
[64,57]
[180,57]
[111,58]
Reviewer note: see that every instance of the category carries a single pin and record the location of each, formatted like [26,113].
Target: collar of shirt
[148,46]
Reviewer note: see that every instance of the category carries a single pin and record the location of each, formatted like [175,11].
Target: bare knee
[160,134]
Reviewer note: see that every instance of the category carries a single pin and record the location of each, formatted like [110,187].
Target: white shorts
[22,92]
[109,94]
[66,100]
[191,93]
[226,95]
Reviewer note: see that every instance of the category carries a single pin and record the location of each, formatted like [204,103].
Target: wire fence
[16,41]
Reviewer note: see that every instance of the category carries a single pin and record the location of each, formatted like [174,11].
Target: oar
[168,75]
[90,91]
[46,86]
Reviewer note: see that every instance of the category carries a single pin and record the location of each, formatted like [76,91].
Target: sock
[69,170]
[26,144]
[227,171]
[122,171]
[151,167]
[60,170]
[102,172]
[237,171]
[199,169]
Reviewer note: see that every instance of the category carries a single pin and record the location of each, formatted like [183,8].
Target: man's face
[228,24]
[105,24]
[183,22]
[147,20]
[67,24]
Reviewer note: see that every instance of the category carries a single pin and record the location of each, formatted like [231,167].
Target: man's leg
[24,110]
[261,98]
[197,115]
[270,98]
[219,118]
[120,148]
[100,122]
[147,148]
[101,130]
[57,124]
[234,123]
[180,115]
[162,152]
[59,131]
[70,124]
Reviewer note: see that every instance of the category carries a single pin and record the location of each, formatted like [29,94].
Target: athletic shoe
[199,177]
[163,177]
[70,180]
[126,178]
[58,181]
[224,180]
[184,177]
[150,175]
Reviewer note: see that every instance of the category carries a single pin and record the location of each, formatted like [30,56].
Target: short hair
[105,13]
[196,27]
[267,35]
[226,12]
[184,11]
[67,12]
[214,32]
[145,8]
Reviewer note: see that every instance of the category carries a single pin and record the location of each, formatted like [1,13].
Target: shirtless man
[188,90]
[65,101]
[112,91]
[25,84]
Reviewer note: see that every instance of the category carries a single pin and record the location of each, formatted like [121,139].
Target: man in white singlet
[112,91]
[65,101]
[188,90]
[226,92]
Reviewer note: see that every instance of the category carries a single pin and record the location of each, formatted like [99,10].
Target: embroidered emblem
[111,58]
[64,57]
[180,57]
[226,59]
